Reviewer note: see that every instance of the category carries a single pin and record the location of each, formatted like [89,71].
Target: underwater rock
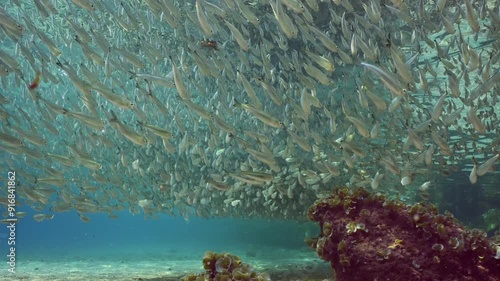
[369,237]
[225,267]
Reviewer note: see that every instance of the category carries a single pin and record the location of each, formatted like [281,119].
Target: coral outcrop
[225,267]
[369,237]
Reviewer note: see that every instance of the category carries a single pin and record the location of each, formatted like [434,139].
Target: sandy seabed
[293,266]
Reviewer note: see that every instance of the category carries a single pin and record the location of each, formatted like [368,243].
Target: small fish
[62,159]
[127,131]
[440,5]
[247,13]
[84,218]
[162,133]
[360,126]
[428,155]
[221,186]
[350,161]
[438,108]
[389,81]
[9,23]
[425,186]
[376,180]
[375,130]
[111,96]
[42,217]
[89,120]
[31,136]
[471,16]
[13,141]
[373,11]
[236,202]
[325,40]
[44,37]
[35,82]
[205,26]
[181,89]
[294,5]
[448,25]
[473,172]
[475,121]
[242,42]
[144,203]
[266,118]
[199,110]
[452,117]
[316,74]
[487,165]
[58,181]
[284,21]
[85,4]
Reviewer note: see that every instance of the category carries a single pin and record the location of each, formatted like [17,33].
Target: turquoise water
[65,248]
[64,238]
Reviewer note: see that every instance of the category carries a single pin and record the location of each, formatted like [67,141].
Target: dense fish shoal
[243,108]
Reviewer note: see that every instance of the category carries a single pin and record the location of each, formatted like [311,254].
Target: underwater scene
[252,140]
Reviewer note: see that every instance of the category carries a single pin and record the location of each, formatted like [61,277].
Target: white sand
[282,265]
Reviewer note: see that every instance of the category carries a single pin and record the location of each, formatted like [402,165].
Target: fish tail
[133,74]
[235,103]
[113,118]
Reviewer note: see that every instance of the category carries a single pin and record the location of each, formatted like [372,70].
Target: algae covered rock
[225,267]
[368,237]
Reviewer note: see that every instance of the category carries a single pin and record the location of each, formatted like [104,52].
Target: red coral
[368,237]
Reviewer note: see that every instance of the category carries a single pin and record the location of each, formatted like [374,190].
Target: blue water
[67,237]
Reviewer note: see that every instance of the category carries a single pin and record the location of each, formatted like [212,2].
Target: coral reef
[368,237]
[225,267]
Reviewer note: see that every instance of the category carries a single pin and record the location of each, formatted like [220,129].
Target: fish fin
[113,118]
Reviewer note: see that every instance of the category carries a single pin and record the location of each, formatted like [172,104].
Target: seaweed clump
[225,267]
[365,235]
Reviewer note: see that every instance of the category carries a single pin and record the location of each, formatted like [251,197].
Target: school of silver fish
[243,108]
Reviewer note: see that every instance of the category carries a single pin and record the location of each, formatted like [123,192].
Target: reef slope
[368,237]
